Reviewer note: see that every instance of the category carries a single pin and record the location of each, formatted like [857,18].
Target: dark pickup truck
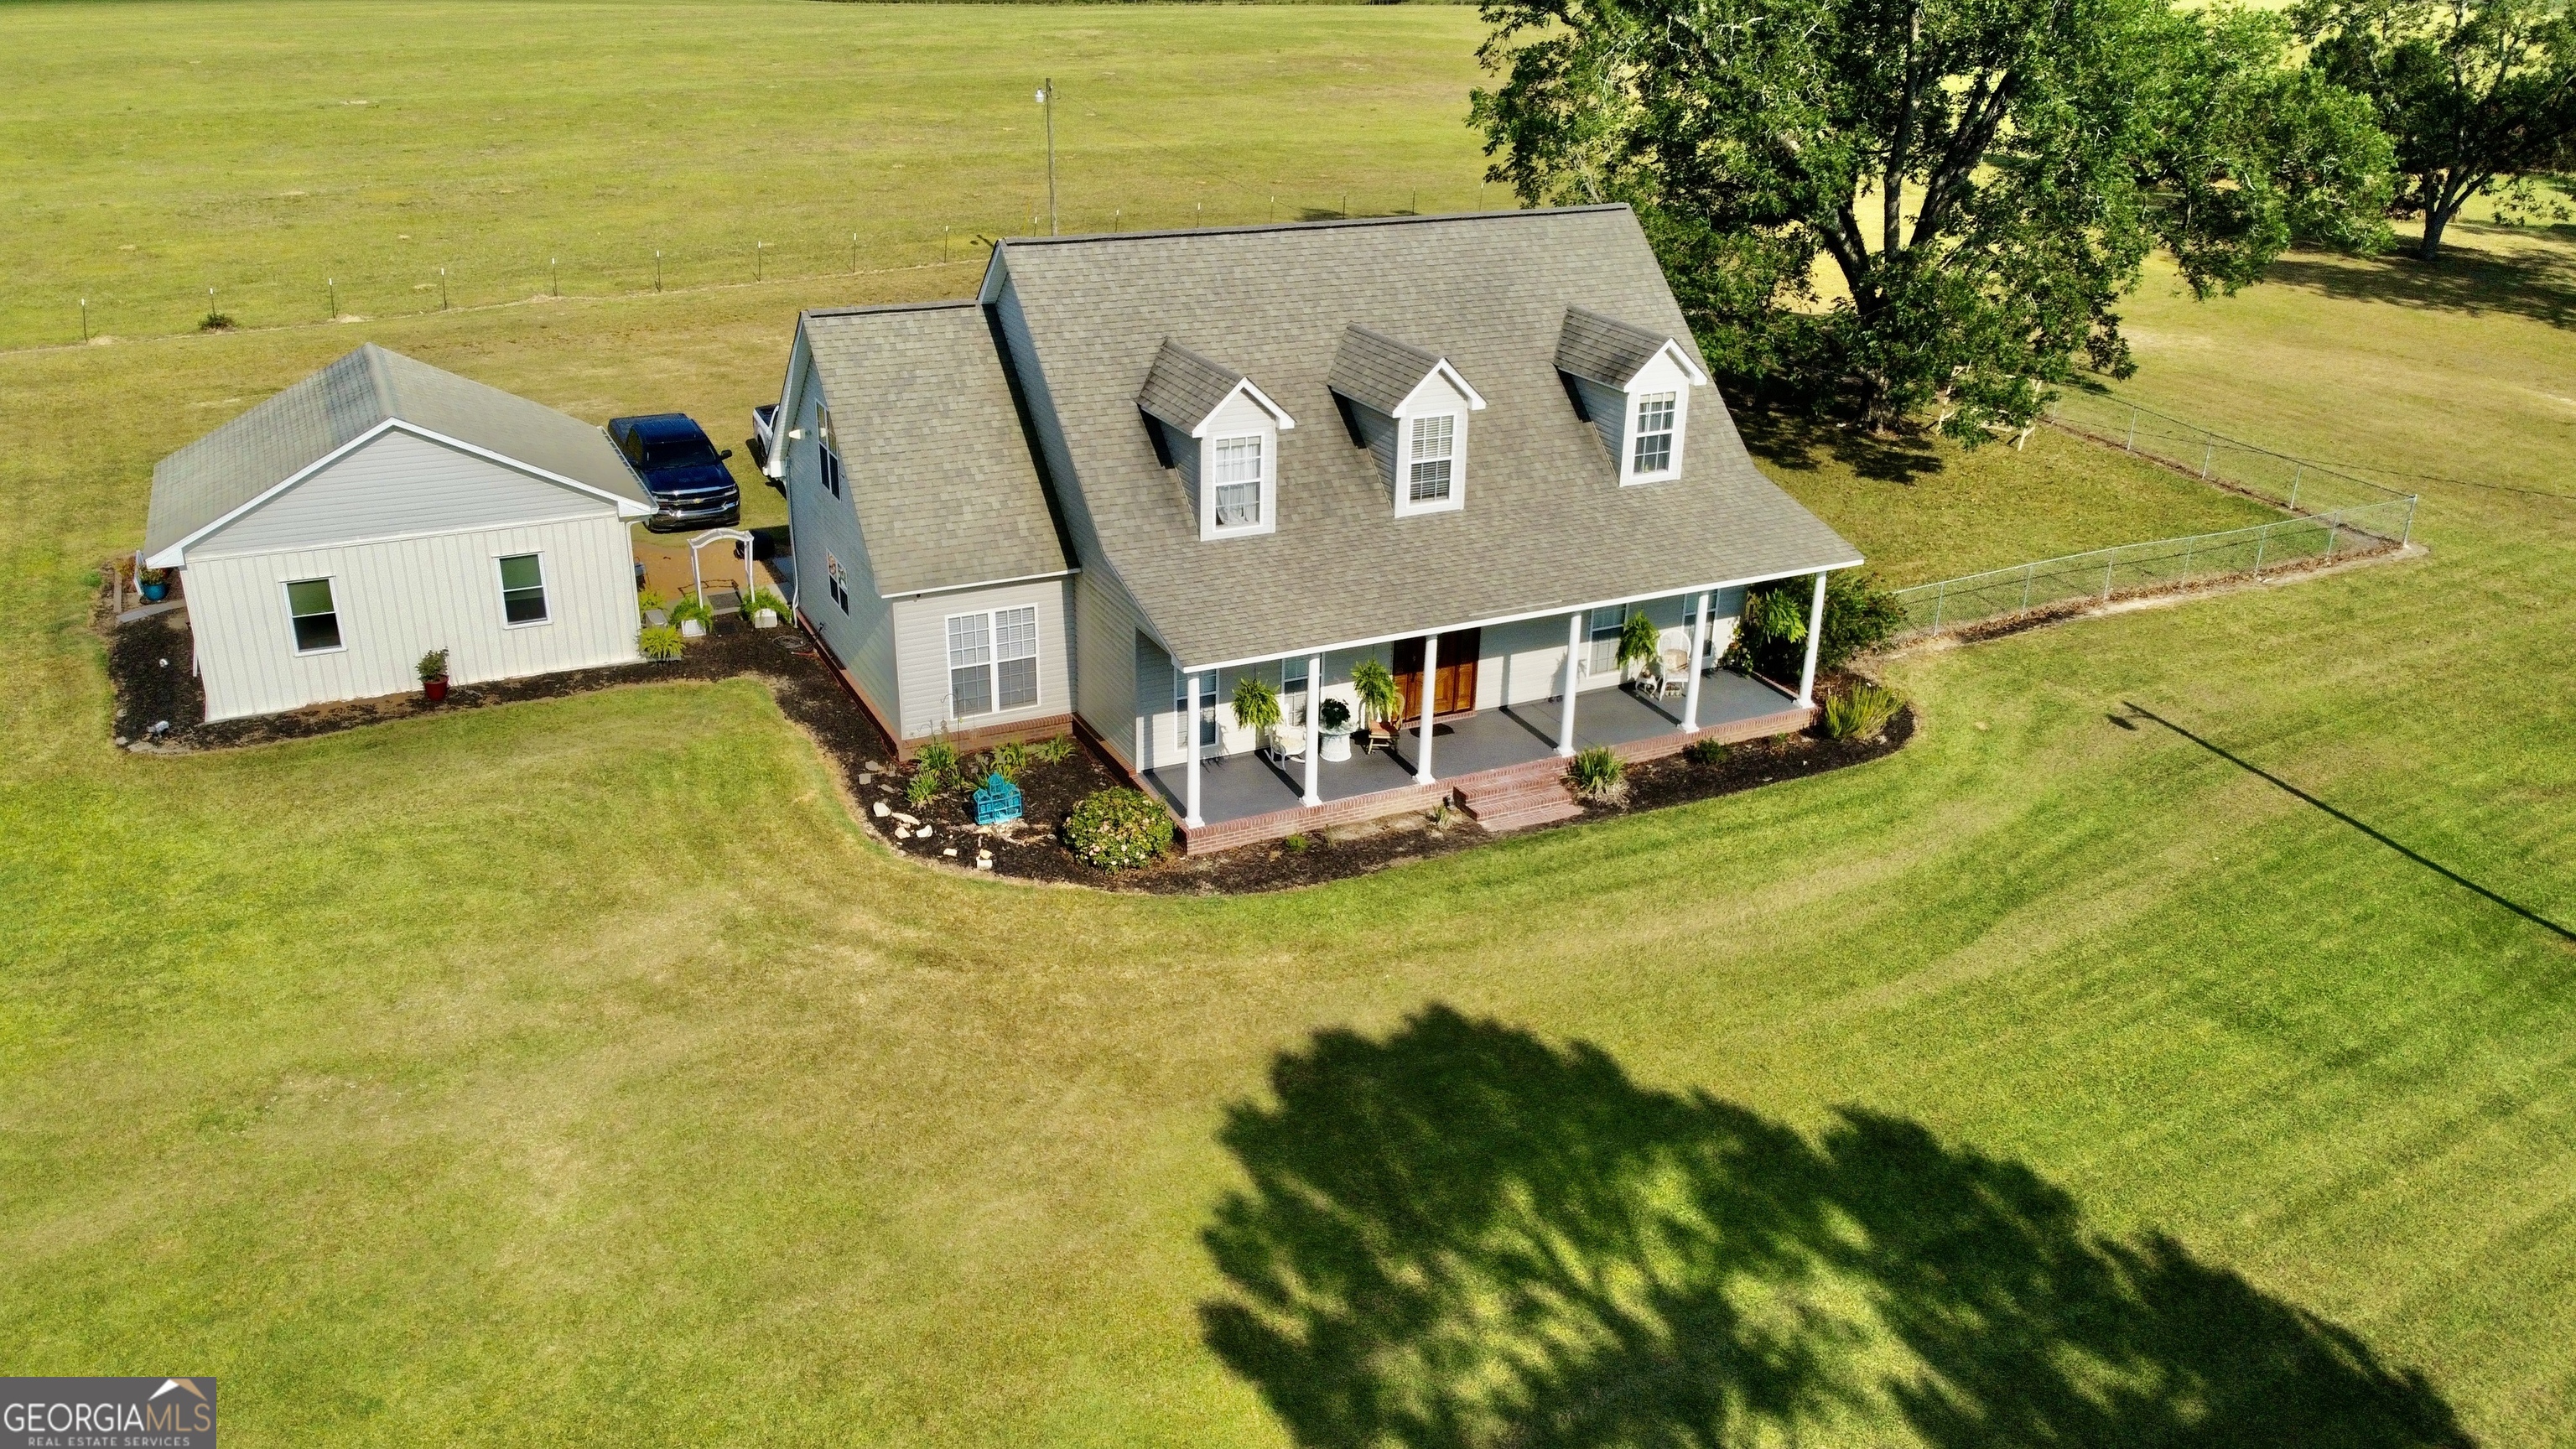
[681,469]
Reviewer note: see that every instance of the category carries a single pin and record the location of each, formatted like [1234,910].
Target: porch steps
[1518,800]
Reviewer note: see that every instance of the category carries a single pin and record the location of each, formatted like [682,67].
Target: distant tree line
[1987,178]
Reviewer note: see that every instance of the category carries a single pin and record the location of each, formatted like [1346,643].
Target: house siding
[920,632]
[822,524]
[397,484]
[1111,645]
[397,600]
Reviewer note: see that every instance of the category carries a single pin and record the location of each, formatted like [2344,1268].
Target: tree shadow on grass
[2535,281]
[1789,441]
[1463,1236]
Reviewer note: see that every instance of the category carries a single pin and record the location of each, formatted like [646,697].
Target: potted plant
[1374,683]
[764,608]
[155,584]
[694,617]
[1639,641]
[1256,704]
[1333,721]
[433,675]
[652,603]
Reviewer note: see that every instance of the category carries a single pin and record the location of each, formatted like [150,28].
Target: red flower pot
[434,690]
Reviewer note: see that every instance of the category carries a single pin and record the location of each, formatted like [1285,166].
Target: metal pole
[2205,449]
[657,269]
[333,283]
[1046,98]
[2106,576]
[2333,529]
[759,252]
[2407,536]
[84,319]
[2262,540]
[2191,549]
[442,289]
[854,251]
[2295,475]
[2132,444]
[2027,571]
[554,275]
[1940,597]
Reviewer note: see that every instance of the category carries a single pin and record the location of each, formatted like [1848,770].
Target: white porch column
[1314,724]
[1190,733]
[1815,635]
[1699,646]
[1430,678]
[1573,654]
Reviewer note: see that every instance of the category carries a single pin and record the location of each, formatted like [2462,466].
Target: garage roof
[235,464]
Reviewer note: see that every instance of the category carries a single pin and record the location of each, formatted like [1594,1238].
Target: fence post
[2333,530]
[2206,446]
[2131,446]
[2027,570]
[2106,576]
[1940,597]
[2406,535]
[2189,552]
[2295,475]
[2262,541]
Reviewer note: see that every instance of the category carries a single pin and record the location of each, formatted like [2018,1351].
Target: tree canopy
[1987,176]
[2475,93]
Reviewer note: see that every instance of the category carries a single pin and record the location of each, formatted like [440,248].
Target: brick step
[1487,796]
[1542,812]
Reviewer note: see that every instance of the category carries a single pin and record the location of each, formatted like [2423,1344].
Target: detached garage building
[383,508]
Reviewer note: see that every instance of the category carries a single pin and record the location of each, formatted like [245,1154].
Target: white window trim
[1636,402]
[288,598]
[836,586]
[1209,528]
[1405,507]
[545,590]
[827,458]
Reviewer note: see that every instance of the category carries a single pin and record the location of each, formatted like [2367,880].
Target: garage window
[316,619]
[523,589]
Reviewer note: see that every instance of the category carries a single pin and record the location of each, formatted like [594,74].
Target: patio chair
[1287,742]
[1672,672]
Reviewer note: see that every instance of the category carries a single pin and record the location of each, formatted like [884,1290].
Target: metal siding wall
[397,485]
[921,654]
[1609,409]
[818,522]
[400,599]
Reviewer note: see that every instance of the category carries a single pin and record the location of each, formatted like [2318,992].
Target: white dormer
[1410,409]
[1221,433]
[1634,387]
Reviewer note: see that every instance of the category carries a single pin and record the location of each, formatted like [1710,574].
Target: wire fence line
[151,298]
[2327,515]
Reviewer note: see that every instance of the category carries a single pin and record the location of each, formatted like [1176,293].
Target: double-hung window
[316,619]
[1653,451]
[830,449]
[523,589]
[1238,481]
[1434,458]
[1206,711]
[992,661]
[833,584]
[1605,624]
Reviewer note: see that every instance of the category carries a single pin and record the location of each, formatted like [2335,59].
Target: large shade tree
[2478,94]
[1986,176]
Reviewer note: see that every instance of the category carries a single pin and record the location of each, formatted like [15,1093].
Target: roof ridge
[1320,224]
[381,378]
[939,305]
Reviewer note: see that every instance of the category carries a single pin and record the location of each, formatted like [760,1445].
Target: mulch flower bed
[148,666]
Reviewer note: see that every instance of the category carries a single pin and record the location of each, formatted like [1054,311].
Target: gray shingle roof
[1545,523]
[1377,371]
[1604,349]
[1182,387]
[931,448]
[303,424]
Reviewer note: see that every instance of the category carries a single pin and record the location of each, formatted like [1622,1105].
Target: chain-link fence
[2330,515]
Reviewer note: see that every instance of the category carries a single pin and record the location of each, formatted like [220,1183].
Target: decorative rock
[866,779]
[950,852]
[907,819]
[983,862]
[902,834]
[882,811]
[923,832]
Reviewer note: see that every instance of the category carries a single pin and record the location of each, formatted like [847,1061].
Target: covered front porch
[1248,797]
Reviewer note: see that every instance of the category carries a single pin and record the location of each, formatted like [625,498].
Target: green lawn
[482,1079]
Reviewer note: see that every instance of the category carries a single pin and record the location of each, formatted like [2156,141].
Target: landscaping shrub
[1859,617]
[1598,774]
[215,322]
[693,608]
[647,600]
[764,599]
[1053,750]
[1118,829]
[937,760]
[1705,752]
[1296,844]
[922,788]
[1861,712]
[659,642]
[1009,760]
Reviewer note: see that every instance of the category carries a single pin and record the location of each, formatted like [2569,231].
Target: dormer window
[1239,476]
[1410,409]
[1634,387]
[1220,433]
[1435,448]
[1653,455]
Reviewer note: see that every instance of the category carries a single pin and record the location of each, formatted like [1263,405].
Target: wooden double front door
[1453,683]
